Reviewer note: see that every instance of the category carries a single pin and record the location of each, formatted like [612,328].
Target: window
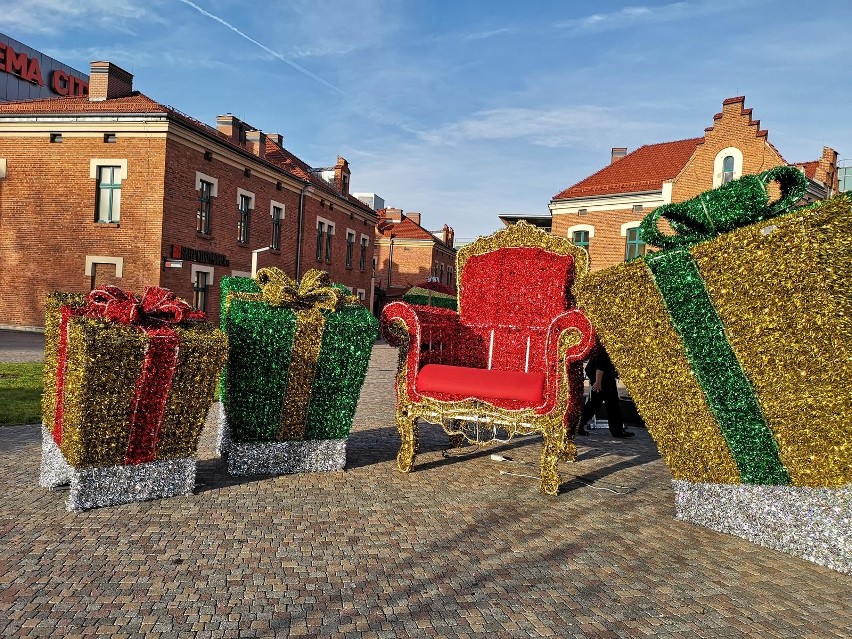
[449,275]
[320,239]
[109,195]
[199,290]
[325,231]
[634,244]
[583,212]
[243,224]
[205,196]
[350,247]
[109,138]
[362,259]
[441,269]
[277,213]
[580,238]
[638,208]
[56,138]
[727,169]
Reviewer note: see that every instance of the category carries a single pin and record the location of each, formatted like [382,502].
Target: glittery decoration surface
[298,357]
[811,523]
[515,301]
[629,315]
[729,394]
[95,487]
[273,458]
[782,290]
[111,396]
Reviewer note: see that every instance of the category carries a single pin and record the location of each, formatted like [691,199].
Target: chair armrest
[563,347]
[410,327]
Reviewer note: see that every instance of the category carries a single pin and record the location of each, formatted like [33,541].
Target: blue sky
[465,110]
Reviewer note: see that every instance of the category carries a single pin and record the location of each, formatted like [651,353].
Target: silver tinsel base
[112,485]
[274,458]
[811,523]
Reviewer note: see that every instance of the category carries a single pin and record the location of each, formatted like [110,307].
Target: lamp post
[254,259]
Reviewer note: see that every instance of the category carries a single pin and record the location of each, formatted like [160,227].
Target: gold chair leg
[407,427]
[551,451]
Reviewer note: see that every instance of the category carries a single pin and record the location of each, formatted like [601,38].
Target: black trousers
[608,396]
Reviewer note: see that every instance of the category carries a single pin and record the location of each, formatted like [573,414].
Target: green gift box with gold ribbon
[735,342]
[297,358]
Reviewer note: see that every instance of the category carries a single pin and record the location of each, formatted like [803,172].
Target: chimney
[108,81]
[452,241]
[393,215]
[341,175]
[232,127]
[256,143]
[445,235]
[414,217]
[618,152]
[277,138]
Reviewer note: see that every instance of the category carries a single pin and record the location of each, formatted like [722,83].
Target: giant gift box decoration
[298,355]
[128,382]
[735,341]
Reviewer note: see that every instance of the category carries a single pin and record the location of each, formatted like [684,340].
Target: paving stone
[453,549]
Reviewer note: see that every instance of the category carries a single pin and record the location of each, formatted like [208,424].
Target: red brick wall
[181,207]
[47,212]
[735,128]
[413,262]
[607,246]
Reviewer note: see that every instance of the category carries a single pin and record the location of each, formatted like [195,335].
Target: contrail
[298,68]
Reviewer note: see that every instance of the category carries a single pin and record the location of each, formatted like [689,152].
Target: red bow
[158,306]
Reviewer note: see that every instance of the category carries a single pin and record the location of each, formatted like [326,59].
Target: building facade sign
[27,74]
[199,257]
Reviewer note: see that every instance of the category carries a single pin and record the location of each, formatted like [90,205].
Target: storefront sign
[40,76]
[199,257]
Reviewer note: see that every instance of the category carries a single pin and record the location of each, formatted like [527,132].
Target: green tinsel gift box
[735,340]
[298,355]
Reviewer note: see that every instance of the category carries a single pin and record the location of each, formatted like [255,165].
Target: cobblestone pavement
[21,346]
[454,549]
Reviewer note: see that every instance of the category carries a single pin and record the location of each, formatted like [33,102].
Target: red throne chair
[509,362]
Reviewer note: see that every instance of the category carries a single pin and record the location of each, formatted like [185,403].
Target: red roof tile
[645,169]
[810,168]
[406,229]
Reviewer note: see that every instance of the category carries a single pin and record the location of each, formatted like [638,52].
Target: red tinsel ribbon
[156,313]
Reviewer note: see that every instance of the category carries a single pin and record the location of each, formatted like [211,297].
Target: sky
[465,110]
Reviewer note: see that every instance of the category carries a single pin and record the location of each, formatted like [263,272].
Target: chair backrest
[511,286]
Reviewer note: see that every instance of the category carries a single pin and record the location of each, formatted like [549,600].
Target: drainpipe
[300,224]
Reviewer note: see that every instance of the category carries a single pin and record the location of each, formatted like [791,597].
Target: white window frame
[581,227]
[362,294]
[629,225]
[214,189]
[95,164]
[351,258]
[719,166]
[91,260]
[329,232]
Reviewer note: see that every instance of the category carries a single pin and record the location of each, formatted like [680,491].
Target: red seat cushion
[478,382]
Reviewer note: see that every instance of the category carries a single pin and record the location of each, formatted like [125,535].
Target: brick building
[602,212]
[407,254]
[114,187]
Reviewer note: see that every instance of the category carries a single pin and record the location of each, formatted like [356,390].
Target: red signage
[29,70]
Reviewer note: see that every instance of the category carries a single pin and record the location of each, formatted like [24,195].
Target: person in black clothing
[602,374]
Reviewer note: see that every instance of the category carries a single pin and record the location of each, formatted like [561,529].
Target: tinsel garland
[297,360]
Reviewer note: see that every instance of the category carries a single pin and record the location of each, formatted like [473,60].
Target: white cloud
[54,16]
[564,127]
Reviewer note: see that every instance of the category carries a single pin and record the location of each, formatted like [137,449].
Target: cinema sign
[27,65]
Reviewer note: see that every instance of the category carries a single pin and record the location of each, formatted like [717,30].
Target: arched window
[727,169]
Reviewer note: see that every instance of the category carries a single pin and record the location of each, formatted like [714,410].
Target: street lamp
[254,259]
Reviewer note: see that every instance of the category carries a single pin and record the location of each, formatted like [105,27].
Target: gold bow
[315,291]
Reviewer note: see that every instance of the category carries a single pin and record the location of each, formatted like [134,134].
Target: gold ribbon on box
[307,299]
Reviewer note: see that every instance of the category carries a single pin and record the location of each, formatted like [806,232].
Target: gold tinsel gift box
[737,349]
[128,381]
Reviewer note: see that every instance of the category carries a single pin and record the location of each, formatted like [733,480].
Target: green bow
[315,291]
[733,205]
